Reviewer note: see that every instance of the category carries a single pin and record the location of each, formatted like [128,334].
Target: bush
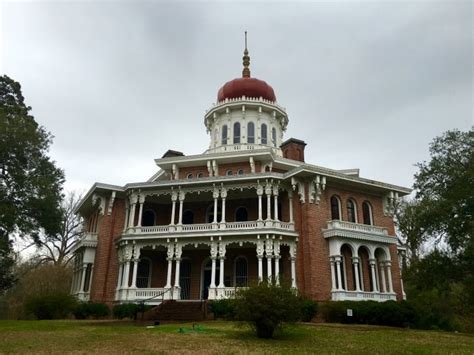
[52,306]
[267,307]
[224,308]
[128,310]
[390,313]
[309,308]
[94,310]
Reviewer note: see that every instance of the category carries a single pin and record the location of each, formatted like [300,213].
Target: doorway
[185,279]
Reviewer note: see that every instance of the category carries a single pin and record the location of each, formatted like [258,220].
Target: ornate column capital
[174,196]
[372,261]
[259,190]
[182,195]
[141,198]
[355,259]
[133,198]
[223,192]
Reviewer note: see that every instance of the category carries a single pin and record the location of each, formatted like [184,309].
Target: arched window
[200,175]
[251,133]
[274,137]
[144,273]
[189,176]
[240,172]
[263,133]
[224,134]
[148,218]
[229,173]
[236,133]
[241,272]
[367,213]
[188,217]
[335,208]
[241,214]
[351,211]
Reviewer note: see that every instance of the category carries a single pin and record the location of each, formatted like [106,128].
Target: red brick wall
[104,279]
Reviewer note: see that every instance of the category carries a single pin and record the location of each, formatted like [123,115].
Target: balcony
[362,296]
[198,229]
[337,228]
[88,240]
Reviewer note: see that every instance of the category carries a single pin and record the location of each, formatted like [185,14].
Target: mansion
[250,208]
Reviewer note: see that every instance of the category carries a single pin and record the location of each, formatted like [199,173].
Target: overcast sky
[366,84]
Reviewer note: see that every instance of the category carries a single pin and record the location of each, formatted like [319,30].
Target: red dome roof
[248,87]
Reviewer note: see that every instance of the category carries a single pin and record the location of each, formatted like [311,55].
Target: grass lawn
[221,337]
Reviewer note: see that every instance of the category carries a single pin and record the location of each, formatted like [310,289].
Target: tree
[267,307]
[30,183]
[56,248]
[441,215]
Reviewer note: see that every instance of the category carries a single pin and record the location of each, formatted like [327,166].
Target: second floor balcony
[344,229]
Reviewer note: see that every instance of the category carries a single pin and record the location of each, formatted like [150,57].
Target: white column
[268,192]
[127,208]
[127,274]
[90,278]
[83,277]
[181,200]
[269,255]
[133,203]
[260,268]
[382,274]
[277,269]
[259,195]
[333,274]
[213,273]
[216,196]
[223,197]
[177,271]
[141,201]
[134,275]
[221,266]
[168,275]
[293,271]
[290,205]
[338,259]
[355,263]
[275,204]
[372,263]
[120,275]
[388,265]
[174,197]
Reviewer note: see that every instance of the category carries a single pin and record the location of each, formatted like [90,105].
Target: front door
[185,279]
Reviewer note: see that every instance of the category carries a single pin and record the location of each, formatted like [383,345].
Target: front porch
[155,271]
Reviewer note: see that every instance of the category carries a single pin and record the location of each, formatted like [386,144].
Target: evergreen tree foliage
[30,183]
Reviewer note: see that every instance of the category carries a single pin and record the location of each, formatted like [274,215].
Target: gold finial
[246,60]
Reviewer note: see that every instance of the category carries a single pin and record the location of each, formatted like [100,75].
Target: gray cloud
[366,84]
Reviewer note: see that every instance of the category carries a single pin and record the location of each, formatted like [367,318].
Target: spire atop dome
[246,60]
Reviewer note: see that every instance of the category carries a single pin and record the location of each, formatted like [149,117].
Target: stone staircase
[172,310]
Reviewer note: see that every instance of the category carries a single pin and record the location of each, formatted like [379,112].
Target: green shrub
[224,308]
[309,308]
[52,306]
[267,307]
[127,310]
[94,310]
[390,313]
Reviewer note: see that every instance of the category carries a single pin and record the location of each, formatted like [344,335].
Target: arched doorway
[185,279]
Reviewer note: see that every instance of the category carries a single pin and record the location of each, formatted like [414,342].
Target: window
[236,133]
[188,217]
[241,214]
[335,208]
[229,173]
[190,176]
[143,273]
[240,172]
[224,134]
[264,133]
[200,175]
[148,218]
[351,211]
[367,213]
[274,137]
[241,272]
[251,133]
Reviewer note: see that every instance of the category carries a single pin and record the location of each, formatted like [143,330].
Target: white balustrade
[362,295]
[336,224]
[155,229]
